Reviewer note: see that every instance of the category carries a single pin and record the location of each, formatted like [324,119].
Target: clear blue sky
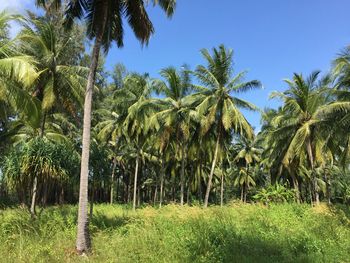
[270,38]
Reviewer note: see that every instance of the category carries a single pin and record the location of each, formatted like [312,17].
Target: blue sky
[270,38]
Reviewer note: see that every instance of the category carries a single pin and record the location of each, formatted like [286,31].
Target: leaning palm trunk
[112,179]
[182,175]
[135,182]
[83,243]
[211,172]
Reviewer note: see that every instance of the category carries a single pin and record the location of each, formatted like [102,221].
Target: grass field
[234,233]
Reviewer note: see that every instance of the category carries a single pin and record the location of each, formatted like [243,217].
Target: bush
[275,193]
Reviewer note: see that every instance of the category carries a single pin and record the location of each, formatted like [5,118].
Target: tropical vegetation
[180,138]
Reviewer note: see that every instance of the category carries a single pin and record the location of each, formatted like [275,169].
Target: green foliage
[38,157]
[275,193]
[235,233]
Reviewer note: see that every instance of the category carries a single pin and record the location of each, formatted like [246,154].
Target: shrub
[275,193]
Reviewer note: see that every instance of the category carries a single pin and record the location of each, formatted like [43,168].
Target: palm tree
[104,20]
[247,153]
[59,85]
[173,118]
[300,126]
[17,74]
[219,110]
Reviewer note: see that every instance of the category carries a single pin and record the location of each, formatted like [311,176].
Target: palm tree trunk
[182,175]
[242,192]
[200,182]
[328,188]
[135,182]
[83,243]
[35,188]
[112,179]
[222,191]
[117,190]
[314,181]
[35,183]
[92,200]
[295,184]
[296,189]
[188,194]
[211,172]
[155,195]
[161,184]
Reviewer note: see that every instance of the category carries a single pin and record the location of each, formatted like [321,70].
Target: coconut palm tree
[247,154]
[173,118]
[104,25]
[17,74]
[300,126]
[218,108]
[59,84]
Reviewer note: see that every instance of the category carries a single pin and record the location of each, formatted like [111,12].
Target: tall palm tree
[300,126]
[173,118]
[104,25]
[216,104]
[137,91]
[59,83]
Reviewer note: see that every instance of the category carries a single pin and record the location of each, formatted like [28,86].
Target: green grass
[234,233]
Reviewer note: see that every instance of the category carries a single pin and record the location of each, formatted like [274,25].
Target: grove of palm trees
[123,166]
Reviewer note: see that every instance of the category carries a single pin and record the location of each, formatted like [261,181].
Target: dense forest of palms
[182,138]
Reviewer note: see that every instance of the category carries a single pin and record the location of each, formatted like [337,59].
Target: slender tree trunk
[296,189]
[242,192]
[182,183]
[295,185]
[212,172]
[222,191]
[311,197]
[112,179]
[35,183]
[155,196]
[200,182]
[245,192]
[128,189]
[328,188]
[314,181]
[92,200]
[138,199]
[188,194]
[161,184]
[135,182]
[83,243]
[62,195]
[173,188]
[35,188]
[117,190]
